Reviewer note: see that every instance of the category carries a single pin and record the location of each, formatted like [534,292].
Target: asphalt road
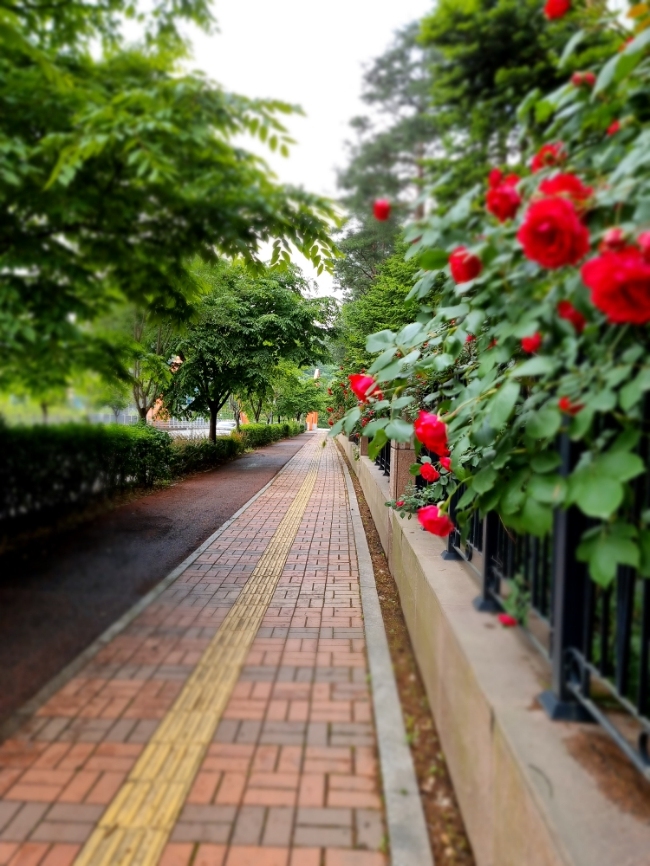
[57,597]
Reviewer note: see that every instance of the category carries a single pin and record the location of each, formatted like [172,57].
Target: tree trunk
[44,411]
[212,435]
[142,412]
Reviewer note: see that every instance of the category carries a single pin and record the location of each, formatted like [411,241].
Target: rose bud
[644,245]
[613,240]
[465,266]
[531,344]
[429,473]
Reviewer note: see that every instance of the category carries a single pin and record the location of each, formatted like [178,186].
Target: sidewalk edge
[20,716]
[407,829]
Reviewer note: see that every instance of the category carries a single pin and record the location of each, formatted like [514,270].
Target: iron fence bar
[487,601]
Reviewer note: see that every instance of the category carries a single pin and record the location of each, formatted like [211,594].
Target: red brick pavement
[291,777]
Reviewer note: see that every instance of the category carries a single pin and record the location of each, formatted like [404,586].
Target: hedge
[46,472]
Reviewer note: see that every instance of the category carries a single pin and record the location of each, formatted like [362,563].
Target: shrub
[256,435]
[194,456]
[52,468]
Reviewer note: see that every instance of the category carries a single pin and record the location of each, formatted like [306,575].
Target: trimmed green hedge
[46,472]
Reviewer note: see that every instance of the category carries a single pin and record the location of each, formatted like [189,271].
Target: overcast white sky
[307,53]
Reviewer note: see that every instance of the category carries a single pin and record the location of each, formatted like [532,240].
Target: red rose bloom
[364,386]
[506,620]
[583,79]
[556,9]
[613,241]
[465,266]
[552,234]
[470,338]
[434,521]
[331,422]
[548,156]
[568,407]
[381,209]
[429,472]
[644,245]
[567,311]
[503,201]
[620,285]
[614,127]
[399,503]
[432,433]
[531,344]
[568,186]
[445,462]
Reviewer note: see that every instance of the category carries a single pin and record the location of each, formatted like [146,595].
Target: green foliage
[387,158]
[503,408]
[115,169]
[45,469]
[382,306]
[491,55]
[49,471]
[244,326]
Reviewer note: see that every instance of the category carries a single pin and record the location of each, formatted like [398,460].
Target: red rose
[381,209]
[429,472]
[613,241]
[470,338]
[644,245]
[364,386]
[432,433]
[506,620]
[531,344]
[583,79]
[552,234]
[620,285]
[567,311]
[548,155]
[614,127]
[569,186]
[503,200]
[568,407]
[434,521]
[399,503]
[556,9]
[329,409]
[445,462]
[465,266]
[331,422]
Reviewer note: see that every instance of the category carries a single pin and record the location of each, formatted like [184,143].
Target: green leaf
[410,334]
[544,424]
[402,402]
[596,495]
[378,424]
[380,341]
[399,430]
[535,518]
[620,465]
[644,549]
[484,480]
[549,489]
[374,447]
[632,393]
[336,429]
[606,75]
[432,260]
[571,46]
[351,419]
[535,367]
[605,552]
[502,404]
[547,461]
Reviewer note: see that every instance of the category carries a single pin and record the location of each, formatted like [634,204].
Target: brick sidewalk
[289,777]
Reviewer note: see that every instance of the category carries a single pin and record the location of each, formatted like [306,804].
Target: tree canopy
[116,170]
[243,327]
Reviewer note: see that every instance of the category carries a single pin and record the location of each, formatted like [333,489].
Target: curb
[407,829]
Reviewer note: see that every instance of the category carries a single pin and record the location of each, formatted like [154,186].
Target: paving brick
[24,821]
[339,857]
[61,855]
[210,855]
[257,856]
[29,854]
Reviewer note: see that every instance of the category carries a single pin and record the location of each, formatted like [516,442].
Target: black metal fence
[382,460]
[596,639]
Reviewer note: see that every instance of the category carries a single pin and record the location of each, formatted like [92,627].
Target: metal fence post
[570,597]
[486,602]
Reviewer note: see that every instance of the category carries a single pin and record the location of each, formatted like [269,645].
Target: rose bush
[555,290]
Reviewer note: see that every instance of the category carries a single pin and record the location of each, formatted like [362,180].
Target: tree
[383,306]
[115,170]
[490,54]
[244,326]
[298,394]
[387,159]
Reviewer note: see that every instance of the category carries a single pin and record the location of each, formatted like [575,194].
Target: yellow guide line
[136,826]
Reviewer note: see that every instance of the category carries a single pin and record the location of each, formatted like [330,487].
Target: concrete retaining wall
[525,800]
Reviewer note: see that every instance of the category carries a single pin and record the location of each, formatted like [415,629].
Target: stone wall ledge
[525,799]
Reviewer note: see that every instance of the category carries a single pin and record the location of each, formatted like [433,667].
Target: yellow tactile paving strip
[139,821]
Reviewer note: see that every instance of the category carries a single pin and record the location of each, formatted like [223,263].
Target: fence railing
[596,639]
[382,460]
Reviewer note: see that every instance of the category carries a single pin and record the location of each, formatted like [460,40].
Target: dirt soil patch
[449,841]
